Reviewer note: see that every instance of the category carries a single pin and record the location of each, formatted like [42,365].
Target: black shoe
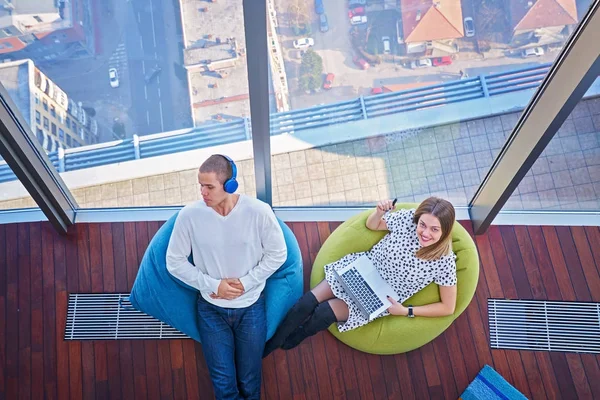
[322,317]
[293,319]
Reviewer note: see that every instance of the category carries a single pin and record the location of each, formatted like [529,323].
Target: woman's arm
[440,309]
[374,222]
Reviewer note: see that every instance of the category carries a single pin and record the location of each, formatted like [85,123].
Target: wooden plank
[83,254]
[558,263]
[592,371]
[101,369]
[300,233]
[113,367]
[547,375]
[139,369]
[430,365]
[131,253]
[488,267]
[417,374]
[365,388]
[563,375]
[513,253]
[37,316]
[587,263]
[305,353]
[540,250]
[95,249]
[407,384]
[334,365]
[579,377]
[319,355]
[152,370]
[164,370]
[108,262]
[126,367]
[24,296]
[502,263]
[3,321]
[593,236]
[49,311]
[519,379]
[458,357]
[530,263]
[190,370]
[348,371]
[177,369]
[61,301]
[269,379]
[296,373]
[284,379]
[534,379]
[87,370]
[375,369]
[392,383]
[573,263]
[120,260]
[324,232]
[445,367]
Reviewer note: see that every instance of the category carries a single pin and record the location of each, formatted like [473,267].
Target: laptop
[366,287]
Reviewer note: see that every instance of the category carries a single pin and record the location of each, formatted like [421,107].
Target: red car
[438,61]
[377,90]
[328,81]
[361,62]
[356,11]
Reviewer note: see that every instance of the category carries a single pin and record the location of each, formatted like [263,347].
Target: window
[61,134]
[68,122]
[53,129]
[45,103]
[46,123]
[37,98]
[37,116]
[40,135]
[37,18]
[8,45]
[69,141]
[53,111]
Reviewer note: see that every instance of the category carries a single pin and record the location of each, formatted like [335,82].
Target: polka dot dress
[394,257]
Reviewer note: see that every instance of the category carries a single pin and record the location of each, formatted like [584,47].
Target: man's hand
[397,308]
[228,290]
[236,283]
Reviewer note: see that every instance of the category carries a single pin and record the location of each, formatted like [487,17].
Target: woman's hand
[397,308]
[385,205]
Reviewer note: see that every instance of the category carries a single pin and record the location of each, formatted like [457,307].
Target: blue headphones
[231,184]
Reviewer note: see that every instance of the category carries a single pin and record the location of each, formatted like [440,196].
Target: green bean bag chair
[398,334]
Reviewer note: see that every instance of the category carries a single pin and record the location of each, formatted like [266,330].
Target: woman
[416,251]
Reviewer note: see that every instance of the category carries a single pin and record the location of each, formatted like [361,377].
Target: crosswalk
[118,60]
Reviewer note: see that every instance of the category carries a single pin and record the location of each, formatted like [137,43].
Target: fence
[290,122]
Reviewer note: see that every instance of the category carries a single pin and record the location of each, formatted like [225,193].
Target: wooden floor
[40,267]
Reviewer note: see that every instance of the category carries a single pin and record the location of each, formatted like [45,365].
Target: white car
[469,27]
[304,43]
[421,63]
[532,52]
[358,19]
[113,76]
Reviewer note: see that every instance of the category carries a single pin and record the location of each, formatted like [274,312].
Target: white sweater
[247,244]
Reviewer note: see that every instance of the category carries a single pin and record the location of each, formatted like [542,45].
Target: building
[45,29]
[54,118]
[430,26]
[541,22]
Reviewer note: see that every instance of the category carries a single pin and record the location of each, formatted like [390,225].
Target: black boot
[293,319]
[322,317]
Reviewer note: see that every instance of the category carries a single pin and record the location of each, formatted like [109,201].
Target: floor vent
[544,325]
[108,316]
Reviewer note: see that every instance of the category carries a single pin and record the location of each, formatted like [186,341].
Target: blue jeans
[233,340]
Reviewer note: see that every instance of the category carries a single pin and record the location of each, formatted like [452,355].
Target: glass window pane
[171,73]
[12,193]
[567,174]
[402,99]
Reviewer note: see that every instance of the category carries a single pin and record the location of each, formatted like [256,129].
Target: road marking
[159,93]
[139,19]
[153,28]
[158,80]
[141,43]
[148,117]
[145,92]
[162,128]
[144,67]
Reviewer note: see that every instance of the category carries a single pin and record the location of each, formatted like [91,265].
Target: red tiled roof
[10,44]
[543,13]
[440,19]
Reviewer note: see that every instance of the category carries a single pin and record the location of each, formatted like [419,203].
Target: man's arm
[274,253]
[180,248]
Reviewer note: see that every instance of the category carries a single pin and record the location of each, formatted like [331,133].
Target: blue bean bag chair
[157,293]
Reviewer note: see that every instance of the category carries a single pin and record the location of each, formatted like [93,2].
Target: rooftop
[532,14]
[14,76]
[424,20]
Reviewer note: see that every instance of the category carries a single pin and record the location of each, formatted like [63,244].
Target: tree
[311,71]
[119,129]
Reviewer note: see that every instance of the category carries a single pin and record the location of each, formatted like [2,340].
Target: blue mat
[490,385]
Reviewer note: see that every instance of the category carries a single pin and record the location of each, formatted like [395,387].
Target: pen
[393,205]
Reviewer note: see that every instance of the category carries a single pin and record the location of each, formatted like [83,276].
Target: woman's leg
[324,315]
[297,315]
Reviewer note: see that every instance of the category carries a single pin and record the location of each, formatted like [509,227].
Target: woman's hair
[443,210]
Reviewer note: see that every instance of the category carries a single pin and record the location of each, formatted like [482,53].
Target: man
[237,244]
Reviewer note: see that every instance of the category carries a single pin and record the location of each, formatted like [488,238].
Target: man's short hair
[219,165]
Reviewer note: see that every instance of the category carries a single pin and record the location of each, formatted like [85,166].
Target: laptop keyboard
[363,292]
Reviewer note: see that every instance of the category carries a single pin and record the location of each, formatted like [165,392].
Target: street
[137,36]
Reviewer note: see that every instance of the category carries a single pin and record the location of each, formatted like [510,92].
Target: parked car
[358,19]
[469,27]
[152,73]
[386,45]
[376,90]
[356,11]
[439,61]
[304,43]
[421,63]
[319,8]
[532,52]
[113,77]
[361,62]
[328,81]
[323,24]
[357,3]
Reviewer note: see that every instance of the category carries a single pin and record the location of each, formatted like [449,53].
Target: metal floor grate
[544,325]
[111,316]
